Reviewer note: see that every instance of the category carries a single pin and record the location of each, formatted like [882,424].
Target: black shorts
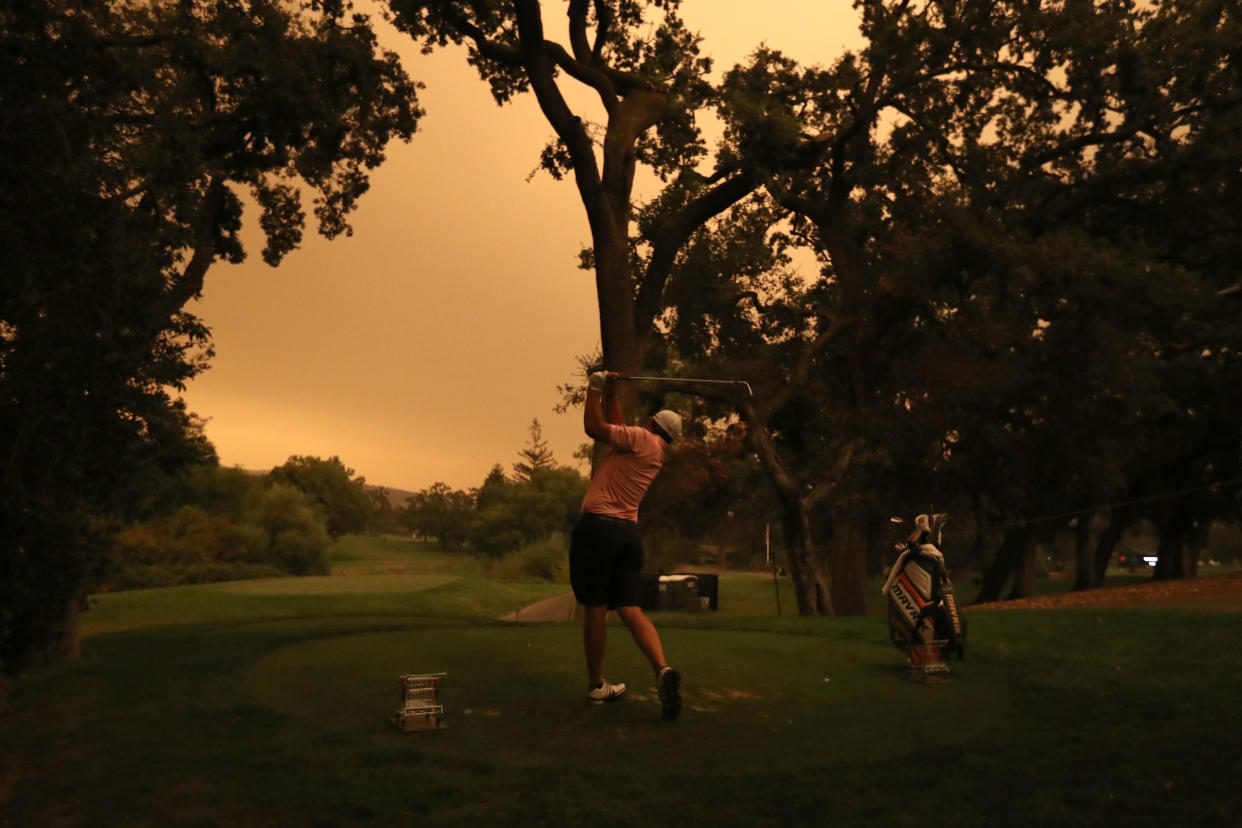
[605,557]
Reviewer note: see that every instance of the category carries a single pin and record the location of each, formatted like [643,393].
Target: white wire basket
[924,662]
[420,705]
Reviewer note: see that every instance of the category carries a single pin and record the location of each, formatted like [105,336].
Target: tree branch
[594,77]
[539,69]
[577,30]
[486,46]
[134,41]
[868,113]
[673,233]
[190,284]
[1037,160]
[828,485]
[1190,110]
[603,24]
[600,76]
[801,372]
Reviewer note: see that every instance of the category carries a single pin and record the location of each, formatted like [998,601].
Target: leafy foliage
[339,494]
[524,511]
[543,559]
[122,127]
[441,512]
[222,524]
[1016,311]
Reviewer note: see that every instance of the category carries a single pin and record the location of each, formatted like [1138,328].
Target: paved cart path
[557,608]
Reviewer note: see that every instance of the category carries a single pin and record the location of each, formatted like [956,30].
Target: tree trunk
[1196,543]
[1171,551]
[975,556]
[880,542]
[1084,561]
[64,641]
[1109,539]
[847,562]
[1004,565]
[811,586]
[1024,566]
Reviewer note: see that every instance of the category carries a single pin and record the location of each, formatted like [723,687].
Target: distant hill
[397,497]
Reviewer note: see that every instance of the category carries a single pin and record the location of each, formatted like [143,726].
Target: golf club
[741,383]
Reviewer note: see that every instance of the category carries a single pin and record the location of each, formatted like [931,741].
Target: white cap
[669,423]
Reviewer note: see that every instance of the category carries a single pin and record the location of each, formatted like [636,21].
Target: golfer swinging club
[606,552]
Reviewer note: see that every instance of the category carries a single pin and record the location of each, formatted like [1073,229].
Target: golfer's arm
[593,417]
[612,408]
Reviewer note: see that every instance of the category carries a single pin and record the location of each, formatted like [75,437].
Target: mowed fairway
[266,703]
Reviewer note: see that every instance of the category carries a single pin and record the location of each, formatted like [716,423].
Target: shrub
[516,514]
[148,576]
[546,559]
[303,551]
[140,544]
[299,541]
[195,535]
[281,534]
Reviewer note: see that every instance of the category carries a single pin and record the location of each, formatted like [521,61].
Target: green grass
[265,703]
[754,593]
[396,554]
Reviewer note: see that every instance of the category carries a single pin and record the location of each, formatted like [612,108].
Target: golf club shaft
[742,383]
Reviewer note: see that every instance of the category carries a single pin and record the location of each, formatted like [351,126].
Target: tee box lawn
[267,702]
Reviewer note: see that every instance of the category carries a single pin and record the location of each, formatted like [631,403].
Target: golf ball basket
[924,662]
[420,707]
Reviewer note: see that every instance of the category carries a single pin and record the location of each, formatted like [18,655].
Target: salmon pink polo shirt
[624,475]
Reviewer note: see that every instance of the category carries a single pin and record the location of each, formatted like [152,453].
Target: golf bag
[921,608]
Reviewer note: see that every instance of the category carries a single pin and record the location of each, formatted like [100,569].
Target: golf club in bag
[923,619]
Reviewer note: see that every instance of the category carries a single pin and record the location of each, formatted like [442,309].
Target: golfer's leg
[594,637]
[589,571]
[645,635]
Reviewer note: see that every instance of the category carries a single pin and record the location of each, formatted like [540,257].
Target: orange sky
[419,349]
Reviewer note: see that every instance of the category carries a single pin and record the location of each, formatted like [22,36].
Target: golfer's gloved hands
[597,382]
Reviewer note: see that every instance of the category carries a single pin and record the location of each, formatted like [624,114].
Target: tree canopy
[1016,296]
[340,494]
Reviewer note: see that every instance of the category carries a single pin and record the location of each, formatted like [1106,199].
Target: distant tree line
[538,505]
[208,523]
